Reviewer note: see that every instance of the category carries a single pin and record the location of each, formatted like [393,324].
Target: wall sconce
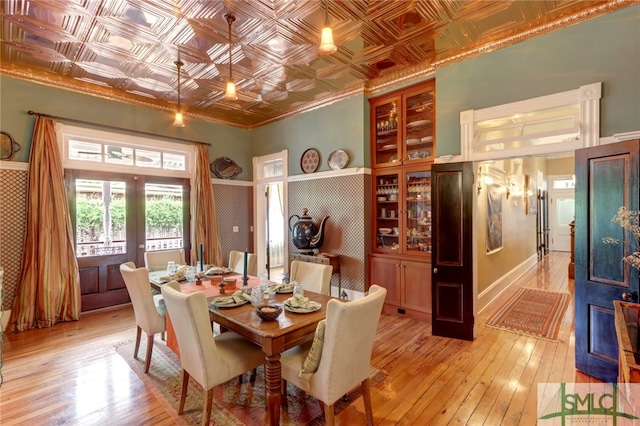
[483,178]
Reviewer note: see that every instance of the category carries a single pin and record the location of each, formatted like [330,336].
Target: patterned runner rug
[233,403]
[532,311]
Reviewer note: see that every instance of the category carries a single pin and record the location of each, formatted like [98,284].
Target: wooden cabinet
[402,152]
[408,285]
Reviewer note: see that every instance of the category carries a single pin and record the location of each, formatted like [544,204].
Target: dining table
[274,337]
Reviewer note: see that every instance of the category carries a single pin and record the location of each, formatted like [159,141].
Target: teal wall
[341,125]
[605,49]
[18,96]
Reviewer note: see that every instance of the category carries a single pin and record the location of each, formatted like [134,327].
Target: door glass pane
[419,142]
[565,211]
[386,120]
[387,212]
[418,211]
[164,216]
[100,218]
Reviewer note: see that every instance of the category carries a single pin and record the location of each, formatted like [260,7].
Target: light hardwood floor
[70,374]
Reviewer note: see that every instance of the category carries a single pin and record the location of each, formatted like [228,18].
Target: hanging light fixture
[231,85]
[326,40]
[178,122]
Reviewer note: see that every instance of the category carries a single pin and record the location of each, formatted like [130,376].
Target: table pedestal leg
[273,377]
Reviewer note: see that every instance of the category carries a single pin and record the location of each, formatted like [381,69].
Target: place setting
[238,298]
[298,303]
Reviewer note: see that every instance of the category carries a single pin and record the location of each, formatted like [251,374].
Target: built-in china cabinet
[402,151]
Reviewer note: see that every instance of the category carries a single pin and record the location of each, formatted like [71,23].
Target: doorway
[562,211]
[116,218]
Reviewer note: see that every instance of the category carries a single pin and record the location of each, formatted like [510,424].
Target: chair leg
[183,391]
[283,393]
[329,414]
[252,379]
[206,411]
[138,335]
[366,396]
[147,359]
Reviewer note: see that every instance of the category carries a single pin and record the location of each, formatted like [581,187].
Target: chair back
[314,277]
[137,282]
[190,319]
[236,262]
[348,343]
[157,260]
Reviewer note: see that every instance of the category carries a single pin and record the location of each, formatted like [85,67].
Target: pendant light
[231,85]
[326,40]
[178,122]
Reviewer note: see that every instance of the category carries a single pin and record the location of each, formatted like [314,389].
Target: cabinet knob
[435,270]
[141,246]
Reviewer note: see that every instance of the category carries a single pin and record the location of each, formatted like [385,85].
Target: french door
[116,218]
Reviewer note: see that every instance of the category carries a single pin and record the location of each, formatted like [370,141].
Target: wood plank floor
[70,374]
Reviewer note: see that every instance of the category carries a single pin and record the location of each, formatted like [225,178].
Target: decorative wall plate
[225,168]
[338,159]
[8,146]
[310,160]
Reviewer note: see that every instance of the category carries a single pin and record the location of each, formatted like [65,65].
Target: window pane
[119,155]
[163,216]
[100,218]
[85,151]
[565,212]
[146,158]
[174,161]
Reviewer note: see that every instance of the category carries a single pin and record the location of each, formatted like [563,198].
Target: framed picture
[494,218]
[530,195]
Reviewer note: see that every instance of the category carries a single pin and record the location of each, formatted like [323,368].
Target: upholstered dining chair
[236,262]
[157,260]
[209,360]
[314,277]
[149,311]
[339,358]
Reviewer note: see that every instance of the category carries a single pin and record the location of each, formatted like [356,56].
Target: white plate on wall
[338,159]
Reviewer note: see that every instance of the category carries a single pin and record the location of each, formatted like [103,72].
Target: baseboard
[494,290]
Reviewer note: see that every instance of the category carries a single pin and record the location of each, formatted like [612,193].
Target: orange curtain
[206,224]
[49,285]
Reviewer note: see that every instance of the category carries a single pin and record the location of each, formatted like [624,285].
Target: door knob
[141,246]
[630,297]
[435,270]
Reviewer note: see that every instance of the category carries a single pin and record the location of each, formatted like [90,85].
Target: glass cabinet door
[386,132]
[387,212]
[418,209]
[419,119]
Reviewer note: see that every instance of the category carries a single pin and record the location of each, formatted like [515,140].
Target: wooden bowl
[268,312]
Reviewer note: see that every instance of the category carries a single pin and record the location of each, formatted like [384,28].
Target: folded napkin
[282,287]
[236,298]
[215,270]
[301,302]
[179,275]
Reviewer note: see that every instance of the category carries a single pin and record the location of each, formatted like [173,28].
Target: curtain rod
[106,126]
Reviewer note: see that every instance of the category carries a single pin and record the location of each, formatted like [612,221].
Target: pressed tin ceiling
[125,49]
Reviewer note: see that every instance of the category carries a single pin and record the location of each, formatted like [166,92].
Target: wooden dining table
[274,337]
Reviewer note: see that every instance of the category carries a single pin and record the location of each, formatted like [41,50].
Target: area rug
[233,403]
[532,311]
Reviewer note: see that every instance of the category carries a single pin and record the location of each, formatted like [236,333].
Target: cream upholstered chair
[345,358]
[157,260]
[236,262]
[314,277]
[209,361]
[150,316]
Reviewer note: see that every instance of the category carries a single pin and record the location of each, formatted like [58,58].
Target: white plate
[392,145]
[338,159]
[413,141]
[228,305]
[426,139]
[418,123]
[301,310]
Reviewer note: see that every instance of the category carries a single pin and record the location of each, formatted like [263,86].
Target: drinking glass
[256,296]
[171,268]
[191,273]
[298,289]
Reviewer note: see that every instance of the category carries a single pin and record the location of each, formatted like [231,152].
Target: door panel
[452,273]
[606,178]
[385,272]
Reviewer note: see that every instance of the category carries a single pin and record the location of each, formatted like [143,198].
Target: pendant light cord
[230,19]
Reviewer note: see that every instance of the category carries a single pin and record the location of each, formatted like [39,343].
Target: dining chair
[339,357]
[209,360]
[157,260]
[148,310]
[314,277]
[236,262]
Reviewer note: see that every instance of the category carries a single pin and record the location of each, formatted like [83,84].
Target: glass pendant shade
[326,41]
[231,91]
[178,122]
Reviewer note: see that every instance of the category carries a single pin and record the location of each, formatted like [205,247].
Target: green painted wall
[604,49]
[18,96]
[341,125]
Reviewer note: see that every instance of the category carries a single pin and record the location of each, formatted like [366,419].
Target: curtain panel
[206,222]
[49,285]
